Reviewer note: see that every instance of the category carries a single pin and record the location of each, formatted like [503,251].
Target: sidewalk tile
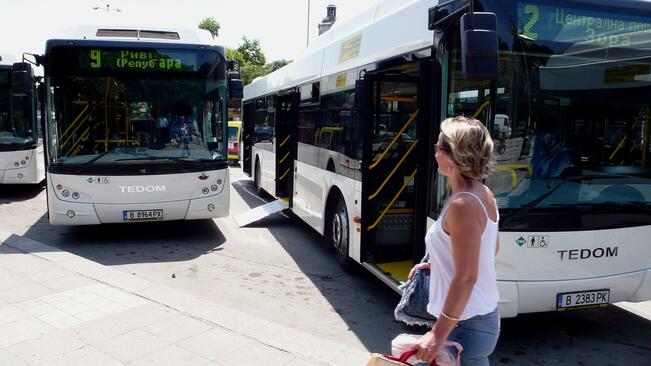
[145,314]
[171,356]
[11,360]
[22,293]
[10,314]
[35,307]
[12,280]
[85,356]
[99,330]
[215,344]
[66,322]
[132,345]
[254,353]
[49,273]
[68,282]
[178,328]
[43,350]
[304,362]
[22,330]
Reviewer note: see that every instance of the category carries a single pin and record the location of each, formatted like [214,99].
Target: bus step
[259,213]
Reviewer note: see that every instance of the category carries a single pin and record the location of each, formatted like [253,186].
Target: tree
[275,65]
[211,25]
[251,51]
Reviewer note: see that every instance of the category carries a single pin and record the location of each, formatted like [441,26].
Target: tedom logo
[141,189]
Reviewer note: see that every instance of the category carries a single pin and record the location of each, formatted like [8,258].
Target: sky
[281,25]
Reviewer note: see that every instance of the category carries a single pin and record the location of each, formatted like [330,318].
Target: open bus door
[396,104]
[248,135]
[286,144]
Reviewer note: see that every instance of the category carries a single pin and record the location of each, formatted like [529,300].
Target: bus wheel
[256,177]
[339,234]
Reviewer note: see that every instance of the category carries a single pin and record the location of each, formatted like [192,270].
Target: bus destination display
[137,60]
[553,23]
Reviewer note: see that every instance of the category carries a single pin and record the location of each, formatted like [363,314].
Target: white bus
[21,145]
[345,134]
[136,126]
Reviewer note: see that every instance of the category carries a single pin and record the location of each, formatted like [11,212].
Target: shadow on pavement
[358,309]
[117,244]
[19,192]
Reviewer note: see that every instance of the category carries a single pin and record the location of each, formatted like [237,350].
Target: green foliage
[250,72]
[251,51]
[211,25]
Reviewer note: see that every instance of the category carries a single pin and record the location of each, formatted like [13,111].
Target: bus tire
[338,233]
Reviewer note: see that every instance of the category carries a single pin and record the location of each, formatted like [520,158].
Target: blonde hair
[469,144]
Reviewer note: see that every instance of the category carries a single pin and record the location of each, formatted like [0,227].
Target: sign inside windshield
[137,60]
[548,22]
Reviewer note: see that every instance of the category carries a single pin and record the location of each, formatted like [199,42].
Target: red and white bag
[403,345]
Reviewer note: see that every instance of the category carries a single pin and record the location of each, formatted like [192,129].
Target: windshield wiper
[531,205]
[90,162]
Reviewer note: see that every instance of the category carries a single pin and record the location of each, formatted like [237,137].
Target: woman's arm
[465,227]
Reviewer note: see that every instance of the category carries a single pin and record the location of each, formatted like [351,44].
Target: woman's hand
[427,349]
[415,268]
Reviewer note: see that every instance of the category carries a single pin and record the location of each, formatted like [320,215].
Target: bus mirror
[479,46]
[235,88]
[22,79]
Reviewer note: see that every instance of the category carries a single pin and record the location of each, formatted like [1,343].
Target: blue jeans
[478,336]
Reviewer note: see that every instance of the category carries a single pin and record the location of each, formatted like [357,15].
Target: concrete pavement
[57,308]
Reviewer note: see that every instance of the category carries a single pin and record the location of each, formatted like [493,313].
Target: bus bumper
[520,297]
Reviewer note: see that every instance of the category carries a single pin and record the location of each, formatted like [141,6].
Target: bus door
[248,134]
[390,169]
[286,114]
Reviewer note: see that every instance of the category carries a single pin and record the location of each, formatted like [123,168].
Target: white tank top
[484,296]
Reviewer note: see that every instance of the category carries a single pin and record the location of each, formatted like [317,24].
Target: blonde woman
[462,246]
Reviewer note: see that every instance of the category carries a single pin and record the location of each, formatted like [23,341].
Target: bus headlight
[205,190]
[65,193]
[70,213]
[211,207]
[214,187]
[23,162]
[75,195]
[16,164]
[20,175]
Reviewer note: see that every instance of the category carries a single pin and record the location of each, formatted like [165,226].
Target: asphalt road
[279,270]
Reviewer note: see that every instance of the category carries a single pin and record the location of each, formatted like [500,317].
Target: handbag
[388,360]
[412,308]
[403,345]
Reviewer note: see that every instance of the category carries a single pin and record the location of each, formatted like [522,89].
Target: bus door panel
[248,135]
[286,123]
[391,166]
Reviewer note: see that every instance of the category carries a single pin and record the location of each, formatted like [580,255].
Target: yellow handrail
[284,142]
[63,135]
[283,176]
[392,201]
[411,148]
[283,159]
[481,108]
[411,119]
[621,144]
[83,135]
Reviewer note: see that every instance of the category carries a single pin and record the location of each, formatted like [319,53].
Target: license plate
[581,299]
[142,215]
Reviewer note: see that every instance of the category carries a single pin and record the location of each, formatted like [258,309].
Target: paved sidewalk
[57,308]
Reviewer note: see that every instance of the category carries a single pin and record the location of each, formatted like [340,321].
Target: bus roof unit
[363,40]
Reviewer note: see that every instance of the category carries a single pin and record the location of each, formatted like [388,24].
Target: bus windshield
[109,116]
[16,118]
[574,86]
